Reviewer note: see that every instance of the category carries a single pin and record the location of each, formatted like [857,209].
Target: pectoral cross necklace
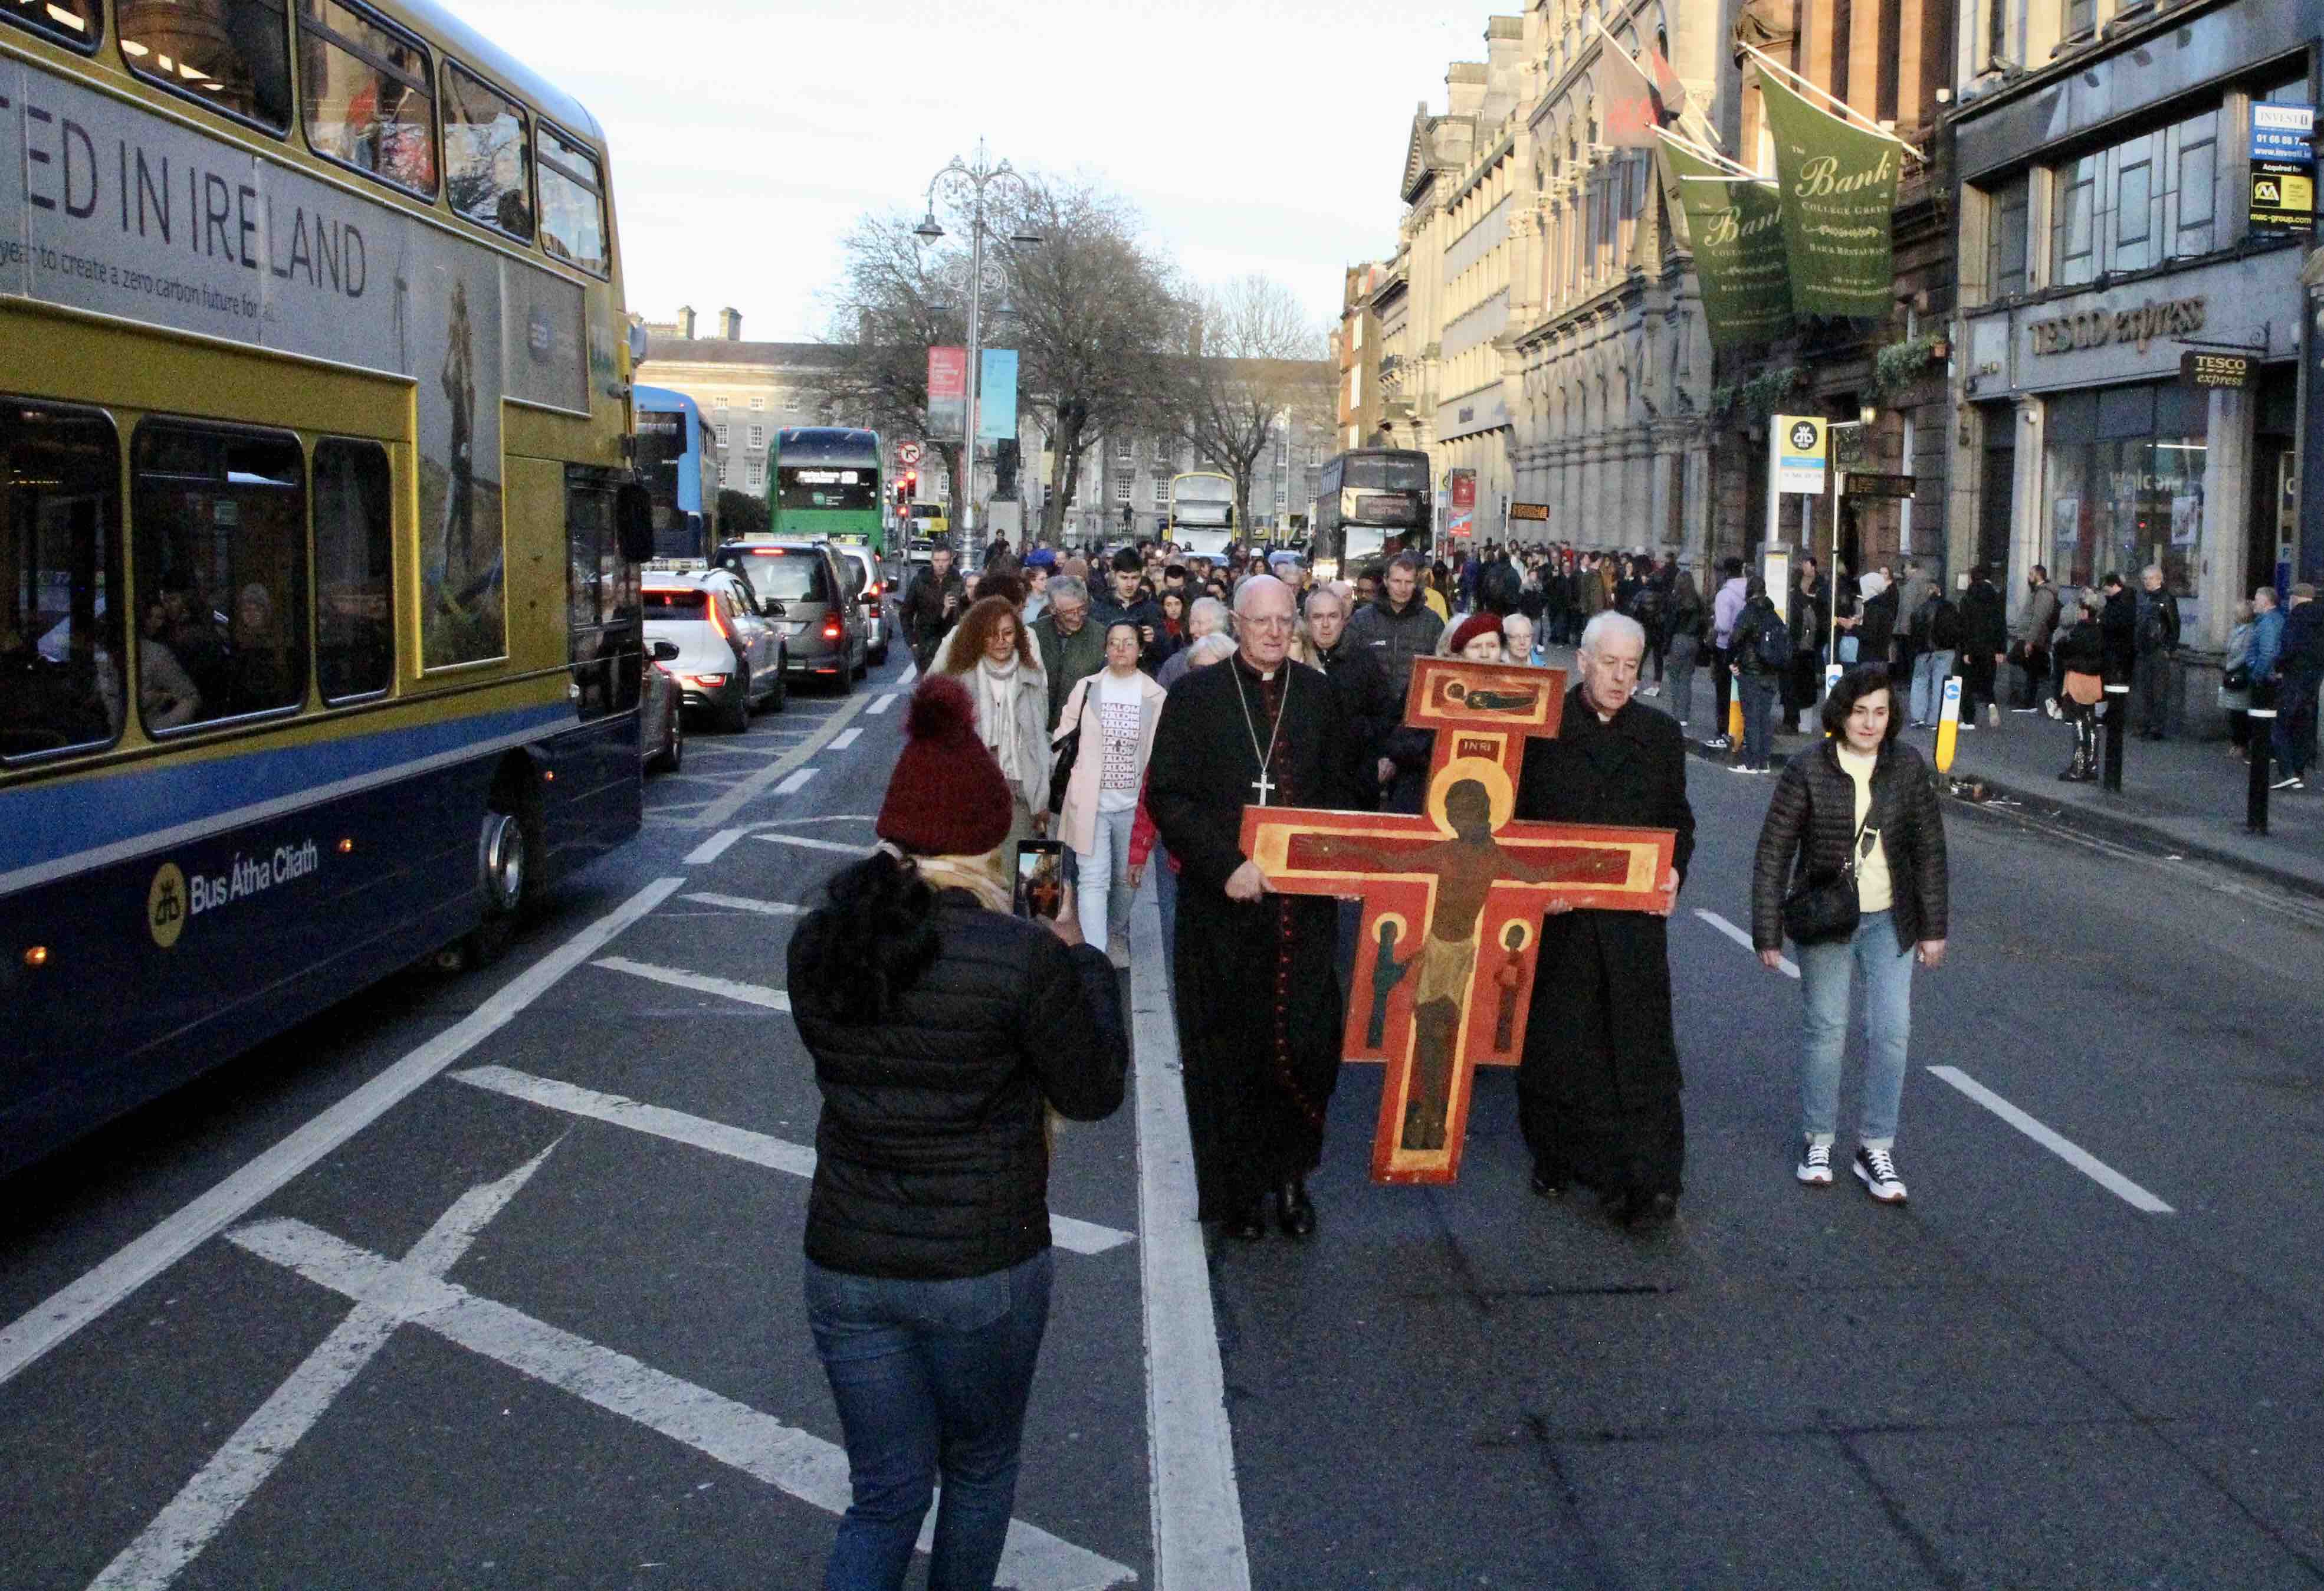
[1263,786]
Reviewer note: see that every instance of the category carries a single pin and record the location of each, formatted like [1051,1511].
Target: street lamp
[964,184]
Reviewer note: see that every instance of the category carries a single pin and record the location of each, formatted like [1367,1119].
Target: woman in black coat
[1857,808]
[2081,661]
[943,1029]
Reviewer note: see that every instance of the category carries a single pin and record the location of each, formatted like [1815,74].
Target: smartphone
[1040,877]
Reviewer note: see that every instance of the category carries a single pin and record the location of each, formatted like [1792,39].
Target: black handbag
[1821,909]
[1061,770]
[2236,678]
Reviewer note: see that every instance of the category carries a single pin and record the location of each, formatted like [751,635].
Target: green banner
[1735,227]
[1838,186]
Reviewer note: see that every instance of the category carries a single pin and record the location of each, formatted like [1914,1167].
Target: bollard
[2263,747]
[1735,713]
[2117,709]
[1949,726]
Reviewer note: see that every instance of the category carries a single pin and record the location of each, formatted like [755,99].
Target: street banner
[1630,110]
[947,393]
[1463,517]
[996,397]
[1839,188]
[1735,227]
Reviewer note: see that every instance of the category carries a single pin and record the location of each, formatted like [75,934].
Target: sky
[1252,135]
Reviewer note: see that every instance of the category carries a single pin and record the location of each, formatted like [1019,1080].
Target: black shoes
[1251,1225]
[1294,1210]
[1638,1208]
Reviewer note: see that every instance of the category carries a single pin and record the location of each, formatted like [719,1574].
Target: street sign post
[1800,442]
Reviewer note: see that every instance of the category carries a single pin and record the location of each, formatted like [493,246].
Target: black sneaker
[1877,1169]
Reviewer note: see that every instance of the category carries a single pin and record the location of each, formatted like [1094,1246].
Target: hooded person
[944,1030]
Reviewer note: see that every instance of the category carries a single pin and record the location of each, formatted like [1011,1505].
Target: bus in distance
[1365,496]
[1201,513]
[823,484]
[678,458]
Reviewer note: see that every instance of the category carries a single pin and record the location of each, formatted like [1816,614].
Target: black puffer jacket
[1811,823]
[930,1160]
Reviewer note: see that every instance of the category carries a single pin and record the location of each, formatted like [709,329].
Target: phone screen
[1040,877]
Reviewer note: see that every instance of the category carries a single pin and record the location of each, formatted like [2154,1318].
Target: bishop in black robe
[1598,1086]
[1260,1009]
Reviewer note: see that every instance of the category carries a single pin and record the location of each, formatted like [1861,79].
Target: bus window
[60,654]
[218,542]
[365,95]
[75,22]
[602,599]
[231,54]
[354,611]
[487,155]
[572,206]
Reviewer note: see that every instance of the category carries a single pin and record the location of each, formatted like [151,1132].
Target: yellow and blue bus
[823,484]
[677,459]
[1201,513]
[320,643]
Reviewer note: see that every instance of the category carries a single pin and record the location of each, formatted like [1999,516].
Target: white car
[871,596]
[729,658]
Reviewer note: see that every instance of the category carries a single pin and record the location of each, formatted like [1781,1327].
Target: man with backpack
[1763,651]
[1936,634]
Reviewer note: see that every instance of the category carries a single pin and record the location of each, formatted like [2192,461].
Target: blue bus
[677,456]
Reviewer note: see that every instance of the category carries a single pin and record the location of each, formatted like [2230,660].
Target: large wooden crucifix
[1453,900]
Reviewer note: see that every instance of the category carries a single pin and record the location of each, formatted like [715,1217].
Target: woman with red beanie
[943,1029]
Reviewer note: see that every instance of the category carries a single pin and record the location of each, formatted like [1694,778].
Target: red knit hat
[947,797]
[1474,625]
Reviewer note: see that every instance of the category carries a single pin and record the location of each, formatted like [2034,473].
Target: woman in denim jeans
[943,1030]
[1858,802]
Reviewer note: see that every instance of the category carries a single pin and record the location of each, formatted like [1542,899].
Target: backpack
[2150,636]
[1771,644]
[1945,626]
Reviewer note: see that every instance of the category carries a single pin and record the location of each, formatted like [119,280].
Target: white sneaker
[1651,691]
[1993,714]
[1816,1166]
[1877,1169]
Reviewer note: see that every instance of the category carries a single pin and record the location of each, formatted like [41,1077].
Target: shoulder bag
[1823,908]
[1066,749]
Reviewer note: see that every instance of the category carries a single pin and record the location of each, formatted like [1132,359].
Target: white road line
[826,817]
[711,849]
[2073,1154]
[1197,1505]
[911,672]
[700,983]
[1790,969]
[66,1311]
[847,738]
[207,1503]
[722,810]
[758,1149]
[745,904]
[795,782]
[805,844]
[881,706]
[729,1432]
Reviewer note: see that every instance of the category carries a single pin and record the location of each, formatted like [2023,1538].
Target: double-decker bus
[1366,495]
[677,459]
[823,483]
[320,643]
[1201,513]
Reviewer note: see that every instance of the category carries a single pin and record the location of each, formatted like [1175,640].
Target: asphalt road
[536,1320]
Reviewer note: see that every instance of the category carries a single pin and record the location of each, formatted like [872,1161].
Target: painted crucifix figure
[1439,887]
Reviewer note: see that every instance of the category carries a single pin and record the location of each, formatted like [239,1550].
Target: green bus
[823,484]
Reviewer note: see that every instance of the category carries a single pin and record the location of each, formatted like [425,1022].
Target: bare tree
[1254,358]
[896,299]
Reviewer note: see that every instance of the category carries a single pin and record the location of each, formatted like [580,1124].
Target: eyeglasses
[1283,622]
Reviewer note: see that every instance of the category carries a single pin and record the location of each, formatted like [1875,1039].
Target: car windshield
[787,574]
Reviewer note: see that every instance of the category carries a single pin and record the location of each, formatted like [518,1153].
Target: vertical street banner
[1464,519]
[1630,109]
[947,393]
[1839,189]
[996,397]
[1735,227]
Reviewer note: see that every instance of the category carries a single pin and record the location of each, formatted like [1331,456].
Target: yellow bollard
[1949,726]
[1735,714]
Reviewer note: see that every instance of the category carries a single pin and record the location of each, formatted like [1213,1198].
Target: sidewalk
[2182,797]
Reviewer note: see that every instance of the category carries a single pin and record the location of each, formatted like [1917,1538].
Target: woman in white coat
[991,653]
[1115,709]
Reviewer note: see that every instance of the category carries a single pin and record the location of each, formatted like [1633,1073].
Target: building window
[2004,254]
[758,472]
[725,471]
[722,435]
[2081,16]
[2137,203]
[2124,483]
[1125,448]
[758,436]
[1161,492]
[1122,488]
[757,405]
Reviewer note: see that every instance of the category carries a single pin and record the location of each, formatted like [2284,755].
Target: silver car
[729,658]
[799,585]
[872,596]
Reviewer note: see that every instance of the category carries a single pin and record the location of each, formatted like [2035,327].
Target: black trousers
[2035,660]
[1722,660]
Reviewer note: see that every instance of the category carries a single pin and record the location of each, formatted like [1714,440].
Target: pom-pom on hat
[1474,625]
[947,797]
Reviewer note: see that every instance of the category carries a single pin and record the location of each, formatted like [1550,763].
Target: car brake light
[718,623]
[705,681]
[831,628]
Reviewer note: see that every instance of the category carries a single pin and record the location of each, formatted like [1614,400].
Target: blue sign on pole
[996,403]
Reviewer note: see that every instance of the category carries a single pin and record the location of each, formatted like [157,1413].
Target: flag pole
[1846,111]
[1711,156]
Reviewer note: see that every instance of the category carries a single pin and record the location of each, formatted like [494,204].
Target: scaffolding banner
[1735,227]
[1839,189]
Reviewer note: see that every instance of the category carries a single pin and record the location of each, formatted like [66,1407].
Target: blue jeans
[1930,670]
[1758,716]
[928,1376]
[1103,868]
[1825,973]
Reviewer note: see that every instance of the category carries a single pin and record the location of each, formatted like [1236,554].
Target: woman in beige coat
[991,653]
[1115,709]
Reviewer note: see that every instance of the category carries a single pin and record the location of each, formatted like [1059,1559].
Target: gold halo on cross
[1485,772]
[1523,929]
[1395,919]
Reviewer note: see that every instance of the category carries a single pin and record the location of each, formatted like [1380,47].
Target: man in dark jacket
[2299,670]
[1370,707]
[1399,626]
[1128,602]
[1071,648]
[2118,628]
[1598,1086]
[1985,646]
[2154,642]
[932,605]
[2029,642]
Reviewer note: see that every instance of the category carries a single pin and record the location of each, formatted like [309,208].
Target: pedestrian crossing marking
[745,904]
[806,844]
[677,977]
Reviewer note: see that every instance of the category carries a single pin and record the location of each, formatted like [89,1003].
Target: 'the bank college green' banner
[1838,186]
[1735,227]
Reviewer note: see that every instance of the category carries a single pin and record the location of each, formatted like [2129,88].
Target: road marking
[841,742]
[73,1307]
[745,904]
[1790,969]
[717,814]
[2073,1154]
[826,817]
[1197,1504]
[677,977]
[205,1505]
[911,672]
[758,1149]
[881,706]
[806,844]
[731,1433]
[711,849]
[795,782]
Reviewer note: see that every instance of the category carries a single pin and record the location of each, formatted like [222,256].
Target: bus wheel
[503,878]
